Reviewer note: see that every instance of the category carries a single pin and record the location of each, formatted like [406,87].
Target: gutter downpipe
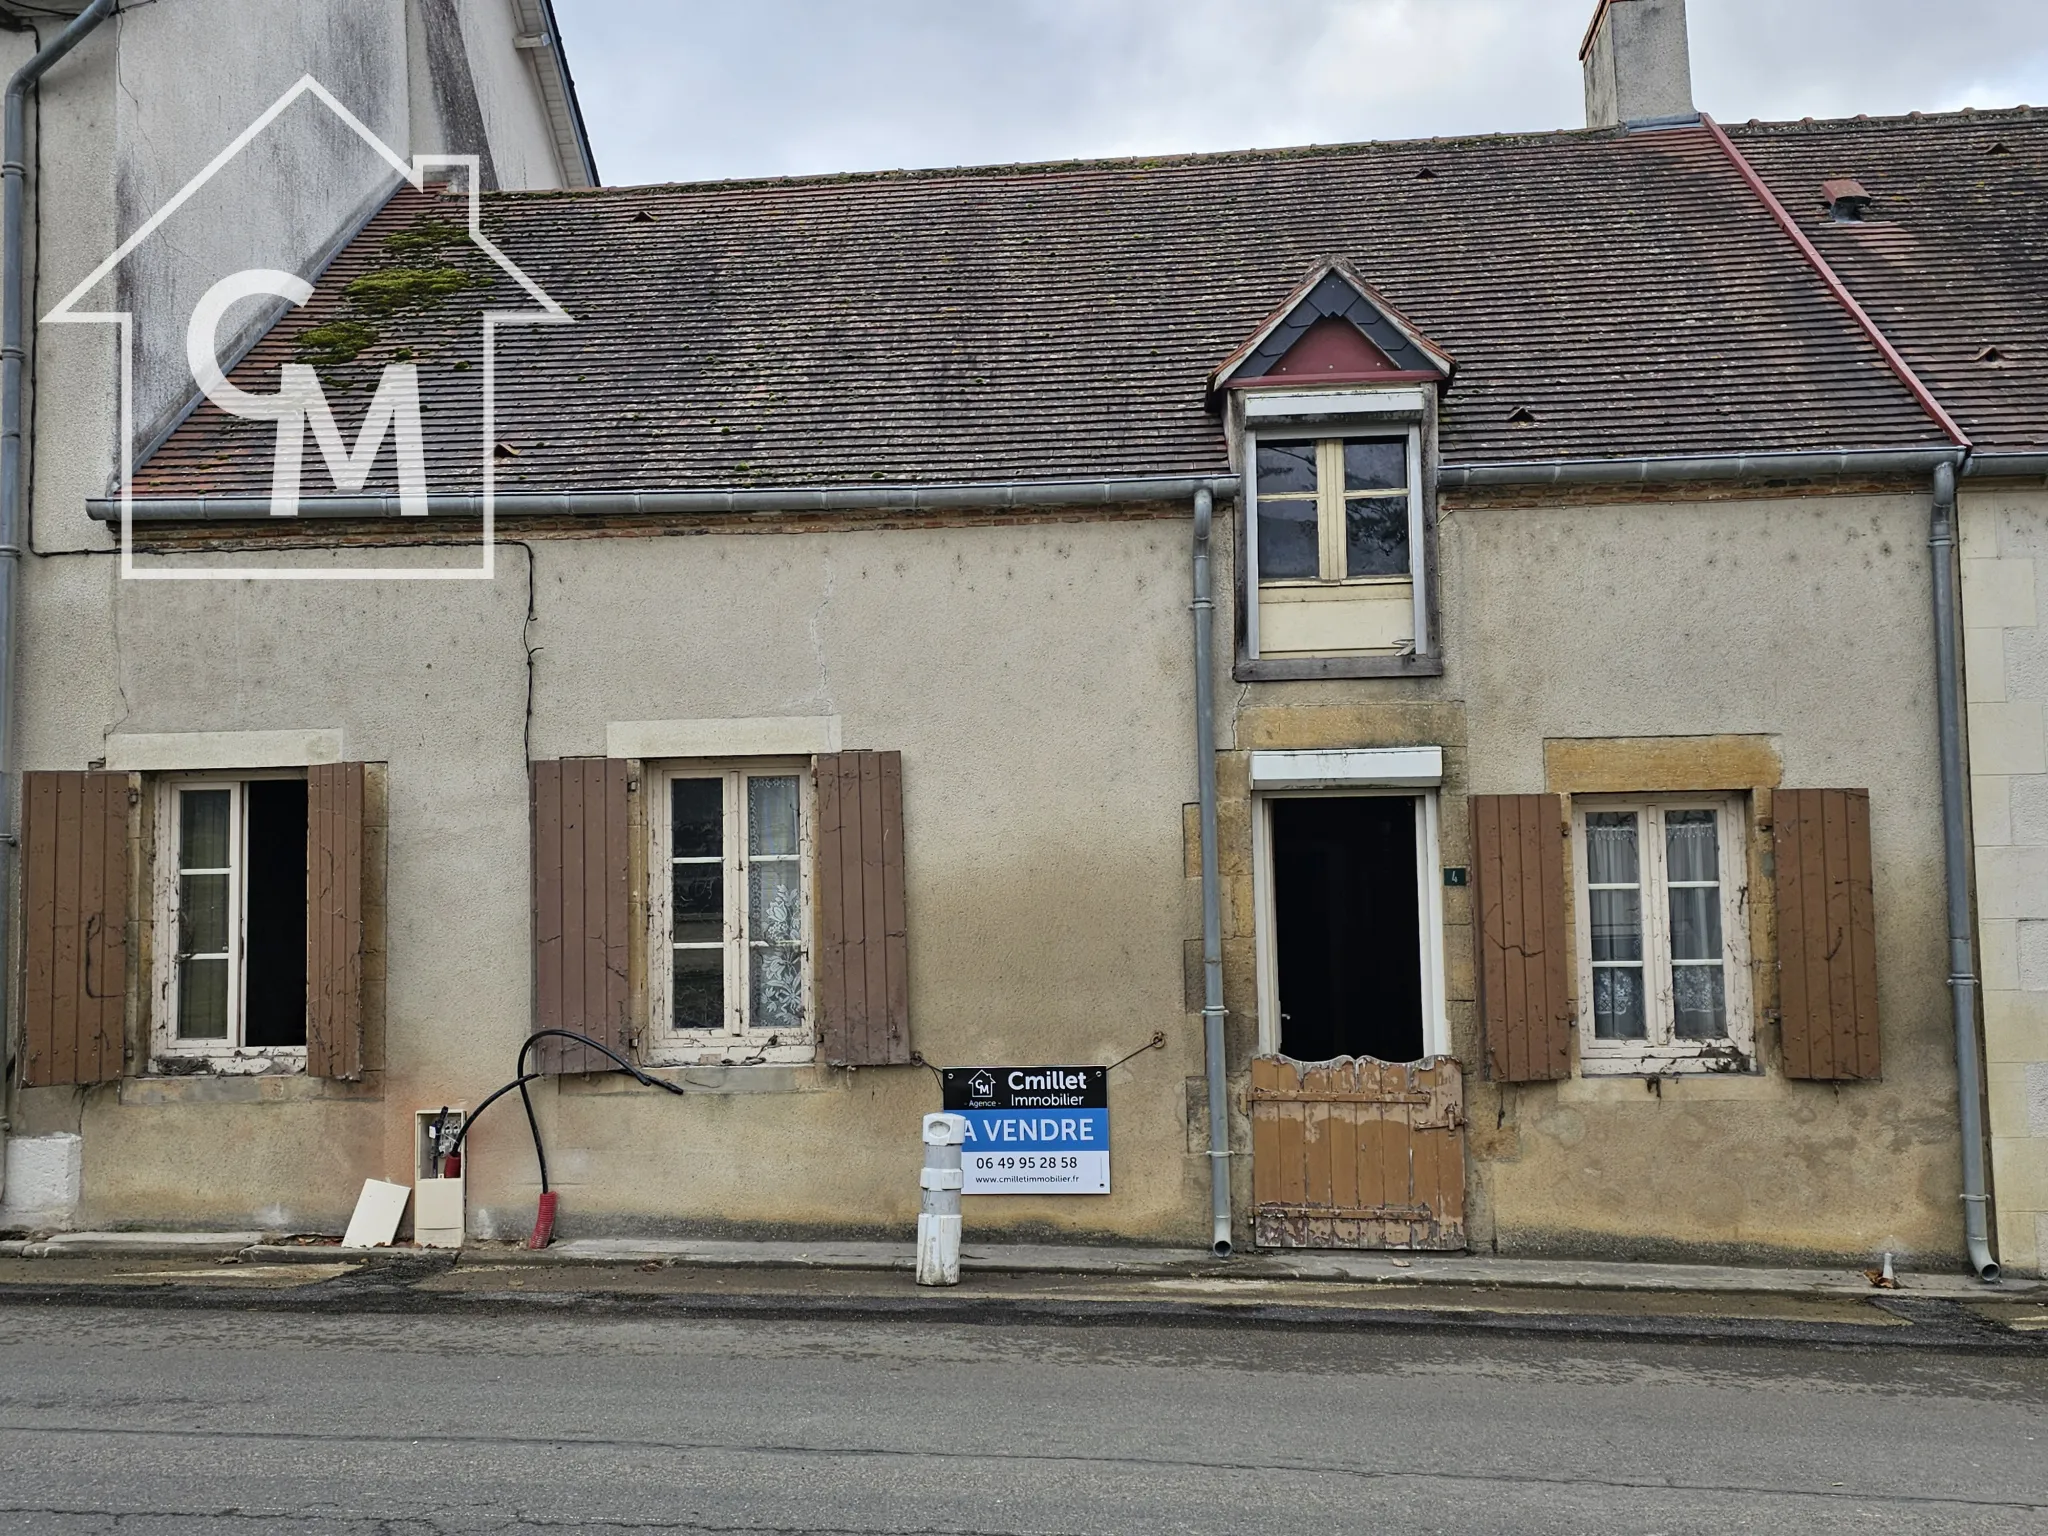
[13,354]
[1204,609]
[1962,978]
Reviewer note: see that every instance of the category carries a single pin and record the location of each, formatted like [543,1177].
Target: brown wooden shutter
[75,885]
[337,917]
[581,912]
[1525,945]
[862,970]
[1827,934]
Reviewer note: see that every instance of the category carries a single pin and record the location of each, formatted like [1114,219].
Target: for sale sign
[1032,1130]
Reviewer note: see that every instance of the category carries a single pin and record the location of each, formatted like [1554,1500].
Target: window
[730,909]
[231,920]
[1662,896]
[1337,531]
[1334,510]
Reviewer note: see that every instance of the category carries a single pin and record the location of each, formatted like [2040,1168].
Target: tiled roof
[1047,322]
[1952,257]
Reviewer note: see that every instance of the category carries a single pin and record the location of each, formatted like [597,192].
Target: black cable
[469,1119]
[532,1123]
[540,1155]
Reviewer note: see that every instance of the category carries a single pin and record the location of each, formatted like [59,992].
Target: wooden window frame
[1330,497]
[739,1043]
[1429,895]
[228,1056]
[1662,1052]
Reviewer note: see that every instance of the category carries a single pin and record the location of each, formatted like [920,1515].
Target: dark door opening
[274,1009]
[1348,927]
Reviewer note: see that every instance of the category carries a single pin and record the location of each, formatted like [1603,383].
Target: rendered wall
[1797,629]
[1036,679]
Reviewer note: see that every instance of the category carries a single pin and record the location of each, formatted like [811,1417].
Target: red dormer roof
[1334,329]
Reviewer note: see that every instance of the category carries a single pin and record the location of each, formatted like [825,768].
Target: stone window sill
[718,1080]
[263,1088]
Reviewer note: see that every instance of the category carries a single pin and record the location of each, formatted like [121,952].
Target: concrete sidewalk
[1343,1267]
[862,1284]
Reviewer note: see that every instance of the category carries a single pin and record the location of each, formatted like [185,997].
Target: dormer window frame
[1338,413]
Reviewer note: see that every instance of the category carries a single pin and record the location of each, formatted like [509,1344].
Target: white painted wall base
[44,1178]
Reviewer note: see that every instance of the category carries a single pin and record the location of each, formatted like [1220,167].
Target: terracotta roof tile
[1043,322]
[1950,260]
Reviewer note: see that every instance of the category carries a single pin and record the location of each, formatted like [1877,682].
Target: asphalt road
[148,1422]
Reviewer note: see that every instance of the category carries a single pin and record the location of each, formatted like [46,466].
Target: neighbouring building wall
[514,114]
[2004,553]
[190,78]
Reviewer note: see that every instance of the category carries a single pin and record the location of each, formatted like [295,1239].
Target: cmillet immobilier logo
[300,406]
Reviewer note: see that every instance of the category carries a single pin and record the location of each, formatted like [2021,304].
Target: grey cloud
[681,90]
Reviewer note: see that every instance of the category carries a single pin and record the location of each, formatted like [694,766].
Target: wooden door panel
[1357,1153]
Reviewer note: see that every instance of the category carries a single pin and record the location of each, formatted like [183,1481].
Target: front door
[1357,1109]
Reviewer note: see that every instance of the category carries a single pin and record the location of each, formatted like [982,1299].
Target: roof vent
[1845,201]
[1998,148]
[1991,357]
[1638,69]
[1521,416]
[1425,174]
[642,216]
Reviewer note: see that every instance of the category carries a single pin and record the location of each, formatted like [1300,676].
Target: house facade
[1562,513]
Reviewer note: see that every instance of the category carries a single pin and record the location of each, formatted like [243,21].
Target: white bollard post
[938,1223]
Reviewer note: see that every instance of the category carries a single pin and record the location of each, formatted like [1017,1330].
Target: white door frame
[1429,896]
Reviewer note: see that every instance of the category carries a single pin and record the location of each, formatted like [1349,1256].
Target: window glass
[205,896]
[1286,468]
[697,902]
[1615,909]
[698,990]
[1289,548]
[1692,853]
[774,906]
[1375,464]
[697,812]
[1376,536]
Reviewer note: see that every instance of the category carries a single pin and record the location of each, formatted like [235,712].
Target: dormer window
[1334,401]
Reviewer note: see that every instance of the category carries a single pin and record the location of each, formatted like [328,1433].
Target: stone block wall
[2005,574]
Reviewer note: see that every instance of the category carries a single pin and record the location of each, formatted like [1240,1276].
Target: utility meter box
[437,1198]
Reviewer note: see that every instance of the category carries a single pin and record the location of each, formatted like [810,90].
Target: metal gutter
[1836,286]
[2016,466]
[1666,470]
[1955,833]
[13,357]
[1204,609]
[845,498]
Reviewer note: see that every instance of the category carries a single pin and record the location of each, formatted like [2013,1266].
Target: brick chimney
[1638,71]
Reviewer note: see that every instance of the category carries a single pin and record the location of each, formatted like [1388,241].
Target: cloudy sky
[687,89]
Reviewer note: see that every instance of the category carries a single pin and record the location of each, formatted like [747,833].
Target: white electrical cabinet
[437,1199]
